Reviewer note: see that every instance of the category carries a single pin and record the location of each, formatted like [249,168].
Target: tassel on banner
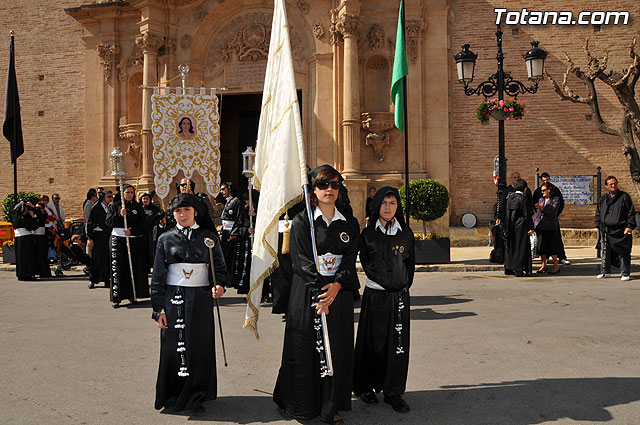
[286,234]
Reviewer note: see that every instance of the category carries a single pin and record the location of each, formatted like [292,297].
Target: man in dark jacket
[382,346]
[518,226]
[615,218]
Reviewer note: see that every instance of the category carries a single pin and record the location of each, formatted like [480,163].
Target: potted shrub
[8,252]
[429,201]
[11,200]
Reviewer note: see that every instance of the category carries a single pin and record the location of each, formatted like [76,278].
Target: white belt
[329,264]
[48,225]
[188,274]
[373,285]
[227,224]
[21,231]
[119,231]
[39,231]
[97,229]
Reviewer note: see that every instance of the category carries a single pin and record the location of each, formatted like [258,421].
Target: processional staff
[117,171]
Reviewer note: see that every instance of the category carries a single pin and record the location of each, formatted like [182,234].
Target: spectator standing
[615,218]
[92,198]
[546,225]
[367,207]
[57,209]
[545,178]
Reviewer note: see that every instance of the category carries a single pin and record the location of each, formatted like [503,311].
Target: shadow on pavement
[429,314]
[525,402]
[438,300]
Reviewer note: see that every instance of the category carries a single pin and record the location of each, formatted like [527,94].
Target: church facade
[81,66]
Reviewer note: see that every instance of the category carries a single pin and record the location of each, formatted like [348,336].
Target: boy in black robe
[382,345]
[615,218]
[98,236]
[518,226]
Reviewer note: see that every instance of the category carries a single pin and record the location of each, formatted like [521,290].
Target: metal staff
[117,171]
[210,243]
[325,332]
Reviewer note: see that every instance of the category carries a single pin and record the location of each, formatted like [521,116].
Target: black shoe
[518,274]
[115,305]
[198,411]
[133,302]
[369,397]
[508,272]
[92,285]
[398,404]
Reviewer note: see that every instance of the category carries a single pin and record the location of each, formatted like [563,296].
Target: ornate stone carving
[107,53]
[414,33]
[348,25]
[134,150]
[148,42]
[318,31]
[246,39]
[185,42]
[334,35]
[378,141]
[375,36]
[377,63]
[303,6]
[249,44]
[377,124]
[200,15]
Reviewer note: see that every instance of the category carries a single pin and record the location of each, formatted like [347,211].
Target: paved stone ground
[485,349]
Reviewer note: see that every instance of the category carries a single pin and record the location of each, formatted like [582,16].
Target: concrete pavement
[485,349]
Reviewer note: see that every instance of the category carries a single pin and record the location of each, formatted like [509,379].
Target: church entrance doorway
[239,119]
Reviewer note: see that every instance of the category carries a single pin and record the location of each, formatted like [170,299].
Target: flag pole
[406,130]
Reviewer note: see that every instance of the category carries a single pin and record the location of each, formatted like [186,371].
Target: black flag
[12,127]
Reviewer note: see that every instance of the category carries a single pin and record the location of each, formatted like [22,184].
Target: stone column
[149,44]
[348,25]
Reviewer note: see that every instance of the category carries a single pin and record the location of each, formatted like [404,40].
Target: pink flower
[511,109]
[506,109]
[502,103]
[508,118]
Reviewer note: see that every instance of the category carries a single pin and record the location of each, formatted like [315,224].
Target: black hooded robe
[613,215]
[517,223]
[382,344]
[42,245]
[99,233]
[121,288]
[186,392]
[25,241]
[299,390]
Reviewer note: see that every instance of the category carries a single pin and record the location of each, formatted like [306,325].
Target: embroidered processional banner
[186,136]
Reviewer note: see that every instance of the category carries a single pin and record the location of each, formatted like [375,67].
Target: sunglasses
[325,185]
[183,184]
[56,199]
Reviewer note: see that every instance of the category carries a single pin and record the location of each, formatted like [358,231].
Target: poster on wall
[186,136]
[576,190]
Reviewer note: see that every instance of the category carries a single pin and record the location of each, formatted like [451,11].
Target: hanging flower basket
[499,110]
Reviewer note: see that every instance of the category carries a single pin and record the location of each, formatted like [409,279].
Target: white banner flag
[280,169]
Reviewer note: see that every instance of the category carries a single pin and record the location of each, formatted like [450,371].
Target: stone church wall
[50,71]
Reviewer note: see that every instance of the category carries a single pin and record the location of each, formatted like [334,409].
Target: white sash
[329,264]
[39,231]
[227,224]
[188,274]
[373,285]
[21,231]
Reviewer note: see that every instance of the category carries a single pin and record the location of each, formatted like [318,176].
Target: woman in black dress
[303,389]
[546,225]
[181,294]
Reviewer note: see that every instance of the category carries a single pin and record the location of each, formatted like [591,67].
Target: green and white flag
[399,72]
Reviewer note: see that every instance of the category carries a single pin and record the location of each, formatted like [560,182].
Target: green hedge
[11,200]
[429,199]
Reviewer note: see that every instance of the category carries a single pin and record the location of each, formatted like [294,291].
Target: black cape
[121,287]
[516,225]
[300,390]
[186,392]
[382,344]
[232,212]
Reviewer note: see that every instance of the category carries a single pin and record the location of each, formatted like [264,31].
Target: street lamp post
[500,83]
